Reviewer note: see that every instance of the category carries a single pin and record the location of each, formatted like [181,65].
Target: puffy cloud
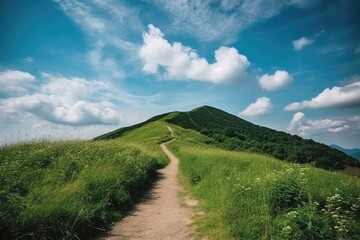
[338,129]
[346,96]
[63,101]
[324,123]
[301,43]
[273,82]
[260,107]
[306,127]
[183,63]
[296,120]
[14,82]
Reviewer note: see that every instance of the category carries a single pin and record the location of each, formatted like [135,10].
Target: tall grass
[69,189]
[252,196]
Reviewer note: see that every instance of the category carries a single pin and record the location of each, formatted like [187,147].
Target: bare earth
[160,216]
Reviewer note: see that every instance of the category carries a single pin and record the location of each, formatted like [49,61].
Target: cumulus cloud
[338,129]
[301,125]
[296,120]
[272,82]
[64,101]
[301,43]
[260,107]
[346,96]
[14,82]
[183,63]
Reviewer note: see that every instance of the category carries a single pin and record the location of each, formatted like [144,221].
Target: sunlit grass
[67,189]
[253,196]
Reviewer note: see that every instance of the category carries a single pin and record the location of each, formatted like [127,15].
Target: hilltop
[233,133]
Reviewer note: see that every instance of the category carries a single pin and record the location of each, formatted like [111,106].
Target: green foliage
[68,189]
[251,196]
[233,133]
[285,194]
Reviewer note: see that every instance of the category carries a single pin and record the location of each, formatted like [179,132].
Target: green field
[252,196]
[69,189]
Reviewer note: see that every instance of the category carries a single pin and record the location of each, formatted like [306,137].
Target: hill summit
[233,133]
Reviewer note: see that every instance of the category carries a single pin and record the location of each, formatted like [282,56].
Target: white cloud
[346,96]
[260,107]
[110,26]
[355,119]
[301,43]
[183,63]
[296,120]
[104,65]
[272,82]
[220,20]
[14,82]
[338,129]
[324,123]
[307,127]
[64,101]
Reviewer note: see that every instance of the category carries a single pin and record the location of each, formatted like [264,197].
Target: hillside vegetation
[252,196]
[67,190]
[233,133]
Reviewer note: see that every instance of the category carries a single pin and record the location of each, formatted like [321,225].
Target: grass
[69,189]
[253,196]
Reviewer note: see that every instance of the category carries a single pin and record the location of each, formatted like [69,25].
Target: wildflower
[287,229]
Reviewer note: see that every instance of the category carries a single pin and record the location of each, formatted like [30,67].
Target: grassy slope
[67,189]
[252,196]
[76,185]
[233,133]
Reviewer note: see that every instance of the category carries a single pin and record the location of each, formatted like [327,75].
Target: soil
[163,214]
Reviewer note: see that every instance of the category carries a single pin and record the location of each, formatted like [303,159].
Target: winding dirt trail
[161,215]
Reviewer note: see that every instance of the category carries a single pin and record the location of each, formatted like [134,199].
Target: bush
[194,177]
[285,195]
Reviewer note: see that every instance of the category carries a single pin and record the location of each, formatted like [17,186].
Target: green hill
[68,190]
[233,133]
[254,196]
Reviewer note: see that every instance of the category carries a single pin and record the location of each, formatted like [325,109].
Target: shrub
[194,177]
[285,195]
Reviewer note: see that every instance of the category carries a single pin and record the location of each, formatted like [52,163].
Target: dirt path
[160,216]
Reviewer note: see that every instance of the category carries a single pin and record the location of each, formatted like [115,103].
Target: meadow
[70,189]
[253,196]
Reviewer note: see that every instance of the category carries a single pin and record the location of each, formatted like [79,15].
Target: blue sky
[76,69]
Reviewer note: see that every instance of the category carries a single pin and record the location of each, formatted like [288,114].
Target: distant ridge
[354,152]
[233,133]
